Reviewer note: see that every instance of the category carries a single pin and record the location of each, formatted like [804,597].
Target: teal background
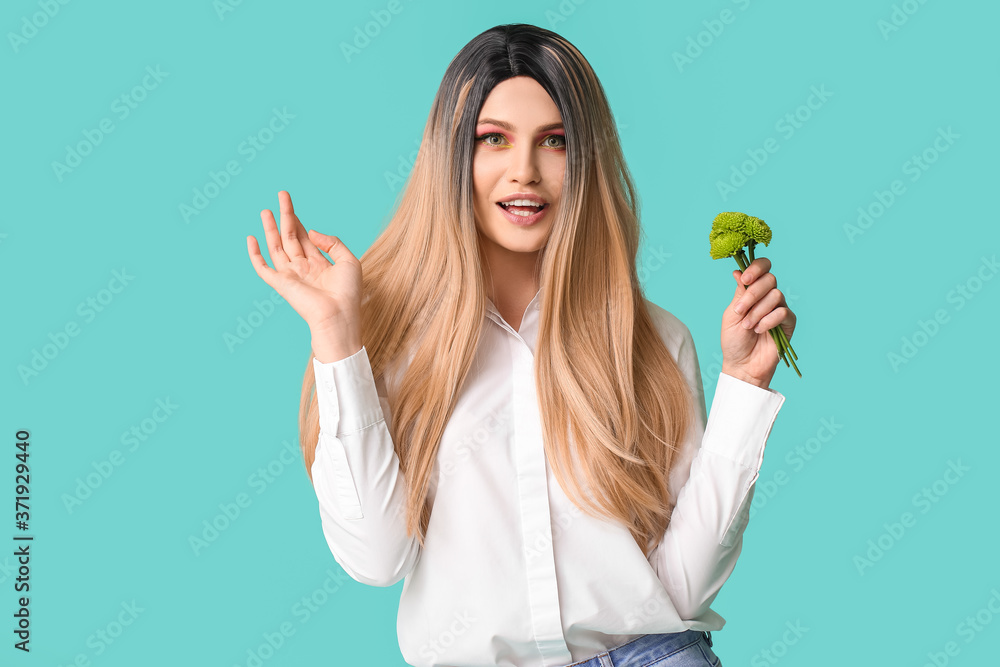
[683,129]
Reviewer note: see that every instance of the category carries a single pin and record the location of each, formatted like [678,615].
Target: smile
[523,214]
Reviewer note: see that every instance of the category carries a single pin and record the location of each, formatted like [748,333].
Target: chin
[532,248]
[525,242]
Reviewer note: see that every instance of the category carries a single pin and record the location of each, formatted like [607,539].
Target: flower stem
[788,345]
[784,347]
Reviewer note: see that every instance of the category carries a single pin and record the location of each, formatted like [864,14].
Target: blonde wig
[614,405]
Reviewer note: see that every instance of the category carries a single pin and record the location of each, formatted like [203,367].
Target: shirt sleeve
[356,475]
[704,538]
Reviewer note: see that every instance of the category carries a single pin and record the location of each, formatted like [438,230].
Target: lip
[522,220]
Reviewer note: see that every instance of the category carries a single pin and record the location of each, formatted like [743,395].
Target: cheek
[481,191]
[555,172]
[480,179]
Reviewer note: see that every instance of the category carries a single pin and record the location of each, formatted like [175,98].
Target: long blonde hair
[606,383]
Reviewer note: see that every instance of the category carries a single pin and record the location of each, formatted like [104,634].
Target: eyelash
[481,138]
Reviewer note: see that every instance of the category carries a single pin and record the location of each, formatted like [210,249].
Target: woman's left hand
[750,353]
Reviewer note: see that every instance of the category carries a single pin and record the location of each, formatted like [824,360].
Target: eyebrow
[510,128]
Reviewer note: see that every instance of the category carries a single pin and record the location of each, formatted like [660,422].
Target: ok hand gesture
[327,296]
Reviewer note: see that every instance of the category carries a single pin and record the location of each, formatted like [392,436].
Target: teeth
[521,202]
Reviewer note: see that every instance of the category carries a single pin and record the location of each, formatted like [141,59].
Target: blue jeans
[691,648]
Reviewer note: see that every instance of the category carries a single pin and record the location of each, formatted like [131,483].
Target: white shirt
[512,572]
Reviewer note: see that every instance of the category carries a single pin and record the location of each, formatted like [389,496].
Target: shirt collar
[529,320]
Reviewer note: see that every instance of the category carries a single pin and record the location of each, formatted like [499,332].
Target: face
[520,154]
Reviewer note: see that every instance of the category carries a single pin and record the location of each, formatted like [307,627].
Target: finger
[788,324]
[776,317]
[332,246]
[755,291]
[758,267]
[741,289]
[301,236]
[309,246]
[761,309]
[278,256]
[265,272]
[289,226]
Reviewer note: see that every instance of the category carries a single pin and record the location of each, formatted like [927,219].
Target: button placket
[536,522]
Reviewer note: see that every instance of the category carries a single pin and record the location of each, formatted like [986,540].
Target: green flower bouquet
[731,232]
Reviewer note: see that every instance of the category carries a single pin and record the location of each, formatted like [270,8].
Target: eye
[560,141]
[485,139]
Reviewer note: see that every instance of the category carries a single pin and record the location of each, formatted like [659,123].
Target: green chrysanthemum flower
[757,230]
[729,221]
[727,244]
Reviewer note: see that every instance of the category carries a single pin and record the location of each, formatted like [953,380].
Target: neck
[511,281]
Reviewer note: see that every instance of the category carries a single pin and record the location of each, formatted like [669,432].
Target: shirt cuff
[740,421]
[346,394]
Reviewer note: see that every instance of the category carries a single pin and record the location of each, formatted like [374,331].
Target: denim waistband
[665,643]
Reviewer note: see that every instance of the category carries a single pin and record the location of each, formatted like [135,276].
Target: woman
[500,417]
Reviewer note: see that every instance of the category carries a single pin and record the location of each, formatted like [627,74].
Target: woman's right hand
[327,296]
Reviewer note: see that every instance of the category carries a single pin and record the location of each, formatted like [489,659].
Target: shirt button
[329,386]
[538,306]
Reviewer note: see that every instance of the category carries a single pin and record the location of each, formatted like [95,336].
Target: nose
[523,166]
